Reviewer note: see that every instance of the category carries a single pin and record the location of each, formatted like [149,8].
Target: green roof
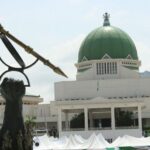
[108,40]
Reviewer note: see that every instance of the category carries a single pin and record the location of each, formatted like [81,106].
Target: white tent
[130,141]
[44,142]
[96,142]
[72,142]
[93,142]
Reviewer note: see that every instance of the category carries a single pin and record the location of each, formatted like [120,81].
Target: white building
[46,114]
[108,95]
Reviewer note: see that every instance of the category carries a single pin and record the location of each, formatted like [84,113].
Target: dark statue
[13,135]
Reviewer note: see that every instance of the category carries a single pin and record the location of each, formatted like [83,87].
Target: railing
[127,127]
[99,128]
[73,129]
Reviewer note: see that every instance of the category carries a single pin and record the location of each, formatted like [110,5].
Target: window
[102,68]
[115,68]
[106,68]
[105,72]
[97,67]
[110,68]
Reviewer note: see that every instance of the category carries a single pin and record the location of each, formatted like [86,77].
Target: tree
[77,121]
[123,118]
[30,122]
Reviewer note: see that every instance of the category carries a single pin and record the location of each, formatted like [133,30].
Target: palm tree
[30,122]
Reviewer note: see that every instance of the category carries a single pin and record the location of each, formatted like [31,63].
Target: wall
[102,88]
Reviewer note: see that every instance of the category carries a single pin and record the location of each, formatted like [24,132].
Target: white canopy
[131,141]
[71,142]
[93,142]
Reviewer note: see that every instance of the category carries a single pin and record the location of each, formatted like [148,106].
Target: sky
[56,28]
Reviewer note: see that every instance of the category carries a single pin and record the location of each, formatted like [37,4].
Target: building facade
[109,95]
[45,114]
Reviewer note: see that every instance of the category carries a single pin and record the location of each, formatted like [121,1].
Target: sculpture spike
[31,51]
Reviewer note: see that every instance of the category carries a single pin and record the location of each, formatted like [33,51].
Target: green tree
[123,118]
[77,121]
[30,122]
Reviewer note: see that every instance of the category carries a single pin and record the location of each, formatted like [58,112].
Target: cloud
[66,54]
[143,53]
[76,2]
[67,47]
[92,14]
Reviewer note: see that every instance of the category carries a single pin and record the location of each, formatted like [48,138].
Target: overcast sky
[56,28]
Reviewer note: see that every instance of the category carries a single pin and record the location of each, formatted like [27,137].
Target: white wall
[89,72]
[102,88]
[126,73]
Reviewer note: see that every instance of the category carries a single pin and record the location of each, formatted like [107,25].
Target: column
[139,117]
[91,119]
[112,118]
[59,121]
[66,120]
[86,119]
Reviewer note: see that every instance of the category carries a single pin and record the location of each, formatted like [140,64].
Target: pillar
[139,117]
[86,119]
[66,120]
[59,121]
[112,118]
[91,119]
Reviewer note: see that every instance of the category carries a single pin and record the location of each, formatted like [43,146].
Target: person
[54,131]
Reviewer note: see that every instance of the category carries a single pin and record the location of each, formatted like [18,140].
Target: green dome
[107,40]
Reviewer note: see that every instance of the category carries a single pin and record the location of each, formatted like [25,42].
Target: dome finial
[106,17]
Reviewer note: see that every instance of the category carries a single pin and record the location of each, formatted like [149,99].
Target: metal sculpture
[4,34]
[14,135]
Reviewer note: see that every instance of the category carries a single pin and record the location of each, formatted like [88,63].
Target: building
[109,95]
[45,114]
[30,103]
